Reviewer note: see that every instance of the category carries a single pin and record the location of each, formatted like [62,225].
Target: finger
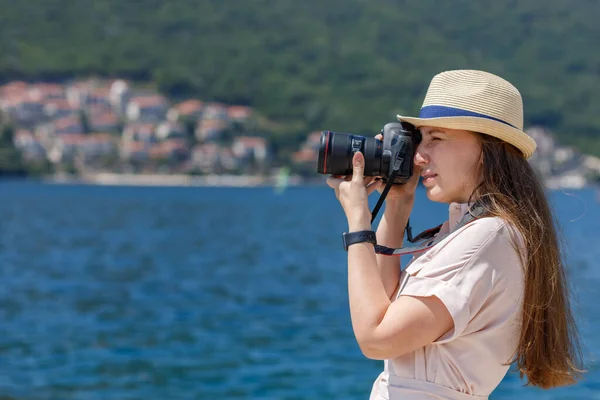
[333,183]
[368,180]
[358,167]
[379,136]
[372,187]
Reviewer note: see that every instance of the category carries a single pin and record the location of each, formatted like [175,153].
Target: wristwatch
[349,238]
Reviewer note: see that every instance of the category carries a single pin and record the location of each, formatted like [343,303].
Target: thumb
[358,167]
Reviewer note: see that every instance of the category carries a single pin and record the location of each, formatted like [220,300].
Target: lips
[428,175]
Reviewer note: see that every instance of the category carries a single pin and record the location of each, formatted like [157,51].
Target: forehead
[457,133]
[426,130]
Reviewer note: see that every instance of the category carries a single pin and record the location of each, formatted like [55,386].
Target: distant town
[110,132]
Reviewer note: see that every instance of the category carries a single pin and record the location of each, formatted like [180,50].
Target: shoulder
[486,243]
[480,235]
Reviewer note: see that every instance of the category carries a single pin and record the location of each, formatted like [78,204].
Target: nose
[421,157]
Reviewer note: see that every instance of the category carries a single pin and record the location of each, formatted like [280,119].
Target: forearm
[367,297]
[390,233]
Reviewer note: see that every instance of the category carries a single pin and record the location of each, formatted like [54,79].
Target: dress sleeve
[461,271]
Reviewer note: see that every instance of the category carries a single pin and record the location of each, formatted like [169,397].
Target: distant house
[139,132]
[67,125]
[23,108]
[89,93]
[119,96]
[59,108]
[149,108]
[48,91]
[245,147]
[170,149]
[98,98]
[106,121]
[313,141]
[63,126]
[29,145]
[239,113]
[206,157]
[215,111]
[228,161]
[210,129]
[97,145]
[14,88]
[168,129]
[134,151]
[191,109]
[65,147]
[305,156]
[309,151]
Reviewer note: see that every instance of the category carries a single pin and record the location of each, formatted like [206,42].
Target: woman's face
[449,161]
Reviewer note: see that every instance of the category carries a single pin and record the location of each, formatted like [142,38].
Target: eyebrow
[433,131]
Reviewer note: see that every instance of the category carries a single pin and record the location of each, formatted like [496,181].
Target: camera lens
[337,149]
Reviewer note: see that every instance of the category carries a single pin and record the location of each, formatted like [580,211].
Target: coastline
[180,180]
[250,181]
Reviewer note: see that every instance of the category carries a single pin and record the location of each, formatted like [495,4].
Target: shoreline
[234,181]
[181,180]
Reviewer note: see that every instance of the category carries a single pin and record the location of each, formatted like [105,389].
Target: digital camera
[390,157]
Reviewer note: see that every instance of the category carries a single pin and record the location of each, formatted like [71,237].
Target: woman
[490,292]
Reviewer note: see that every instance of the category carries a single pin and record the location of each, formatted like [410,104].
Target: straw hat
[475,101]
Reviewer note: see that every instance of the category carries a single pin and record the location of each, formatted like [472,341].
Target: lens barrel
[337,149]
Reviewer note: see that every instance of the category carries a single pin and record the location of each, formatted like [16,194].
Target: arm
[385,329]
[390,233]
[382,329]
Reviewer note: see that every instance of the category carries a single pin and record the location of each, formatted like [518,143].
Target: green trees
[11,163]
[345,65]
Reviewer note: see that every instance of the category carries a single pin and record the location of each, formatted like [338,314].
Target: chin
[437,195]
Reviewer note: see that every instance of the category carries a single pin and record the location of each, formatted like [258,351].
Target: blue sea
[211,293]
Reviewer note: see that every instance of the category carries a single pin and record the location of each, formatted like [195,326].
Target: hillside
[346,65]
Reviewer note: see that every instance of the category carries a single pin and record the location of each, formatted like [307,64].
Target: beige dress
[477,274]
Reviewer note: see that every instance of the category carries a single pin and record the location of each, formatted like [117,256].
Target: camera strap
[390,181]
[428,237]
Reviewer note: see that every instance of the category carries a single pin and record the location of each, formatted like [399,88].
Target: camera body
[387,158]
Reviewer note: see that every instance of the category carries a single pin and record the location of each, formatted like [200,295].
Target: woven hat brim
[504,132]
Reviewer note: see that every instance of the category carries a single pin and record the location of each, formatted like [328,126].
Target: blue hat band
[443,111]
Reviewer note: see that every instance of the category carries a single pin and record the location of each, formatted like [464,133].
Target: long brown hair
[549,351]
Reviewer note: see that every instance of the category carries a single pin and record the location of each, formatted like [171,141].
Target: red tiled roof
[149,101]
[23,133]
[104,119]
[66,122]
[133,147]
[175,144]
[304,156]
[208,148]
[249,141]
[213,124]
[239,112]
[189,106]
[97,137]
[13,87]
[139,127]
[72,138]
[59,104]
[47,89]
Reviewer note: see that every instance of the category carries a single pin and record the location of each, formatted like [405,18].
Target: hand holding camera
[388,156]
[401,193]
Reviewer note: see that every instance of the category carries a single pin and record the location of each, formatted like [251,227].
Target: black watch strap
[358,237]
